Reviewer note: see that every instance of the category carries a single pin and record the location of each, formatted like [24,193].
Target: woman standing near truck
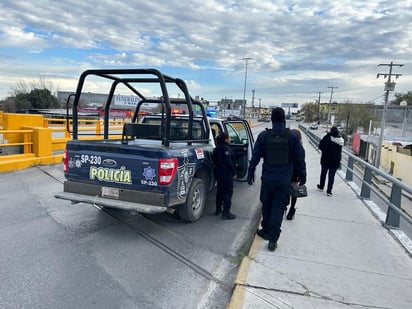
[224,171]
[295,181]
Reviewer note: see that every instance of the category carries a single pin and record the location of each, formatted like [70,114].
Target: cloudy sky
[297,48]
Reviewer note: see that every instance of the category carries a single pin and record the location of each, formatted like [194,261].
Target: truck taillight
[167,170]
[65,161]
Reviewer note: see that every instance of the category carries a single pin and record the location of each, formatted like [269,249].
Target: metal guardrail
[366,173]
[24,150]
[90,126]
[26,143]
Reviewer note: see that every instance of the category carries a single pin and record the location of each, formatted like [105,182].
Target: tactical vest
[277,147]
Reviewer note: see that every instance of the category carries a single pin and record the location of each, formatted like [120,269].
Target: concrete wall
[398,163]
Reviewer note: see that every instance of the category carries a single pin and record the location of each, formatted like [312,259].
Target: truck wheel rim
[197,201]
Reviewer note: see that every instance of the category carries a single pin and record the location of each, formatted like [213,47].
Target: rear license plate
[110,192]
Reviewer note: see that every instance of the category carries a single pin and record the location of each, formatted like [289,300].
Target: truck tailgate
[121,166]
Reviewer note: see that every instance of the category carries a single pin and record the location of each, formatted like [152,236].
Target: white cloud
[298,48]
[15,37]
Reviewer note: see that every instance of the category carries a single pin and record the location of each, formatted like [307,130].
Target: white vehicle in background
[314,126]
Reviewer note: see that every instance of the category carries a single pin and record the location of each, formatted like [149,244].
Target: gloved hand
[250,177]
[302,180]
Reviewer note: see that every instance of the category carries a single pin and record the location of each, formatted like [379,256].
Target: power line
[212,28]
[375,98]
[389,86]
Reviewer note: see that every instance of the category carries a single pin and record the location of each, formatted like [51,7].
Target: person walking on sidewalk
[295,181]
[224,171]
[331,148]
[282,153]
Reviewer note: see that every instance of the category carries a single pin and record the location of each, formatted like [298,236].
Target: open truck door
[241,143]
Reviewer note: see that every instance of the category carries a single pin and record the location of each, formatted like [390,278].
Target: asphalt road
[58,255]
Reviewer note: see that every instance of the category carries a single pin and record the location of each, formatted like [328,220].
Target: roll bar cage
[130,77]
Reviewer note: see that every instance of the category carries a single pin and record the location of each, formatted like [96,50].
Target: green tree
[42,98]
[399,97]
[310,111]
[354,116]
[37,95]
[21,101]
[8,105]
[37,99]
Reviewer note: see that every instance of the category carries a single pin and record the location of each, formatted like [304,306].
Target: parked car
[265,119]
[314,126]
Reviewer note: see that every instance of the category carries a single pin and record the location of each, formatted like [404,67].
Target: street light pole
[330,101]
[319,92]
[246,59]
[389,86]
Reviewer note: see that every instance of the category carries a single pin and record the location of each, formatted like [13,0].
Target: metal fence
[369,176]
[398,121]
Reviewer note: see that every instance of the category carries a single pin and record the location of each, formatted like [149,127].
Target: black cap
[278,115]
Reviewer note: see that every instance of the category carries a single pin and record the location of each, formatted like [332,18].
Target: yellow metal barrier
[27,140]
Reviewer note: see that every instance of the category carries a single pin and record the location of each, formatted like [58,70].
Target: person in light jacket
[331,148]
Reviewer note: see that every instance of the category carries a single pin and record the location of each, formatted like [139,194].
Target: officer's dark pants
[224,189]
[275,198]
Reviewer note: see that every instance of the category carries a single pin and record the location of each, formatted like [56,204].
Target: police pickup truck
[160,160]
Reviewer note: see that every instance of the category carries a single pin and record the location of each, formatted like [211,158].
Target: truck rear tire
[192,210]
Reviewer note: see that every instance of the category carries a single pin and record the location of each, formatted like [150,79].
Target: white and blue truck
[161,159]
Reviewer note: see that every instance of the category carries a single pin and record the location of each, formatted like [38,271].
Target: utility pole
[253,103]
[260,103]
[319,92]
[346,127]
[330,100]
[389,86]
[246,59]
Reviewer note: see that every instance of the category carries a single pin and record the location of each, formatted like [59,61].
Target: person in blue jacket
[224,171]
[282,154]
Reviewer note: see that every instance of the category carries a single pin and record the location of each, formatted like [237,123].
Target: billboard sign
[126,100]
[289,105]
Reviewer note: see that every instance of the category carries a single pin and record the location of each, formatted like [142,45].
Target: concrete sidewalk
[334,254]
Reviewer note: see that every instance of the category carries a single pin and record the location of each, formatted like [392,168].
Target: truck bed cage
[140,130]
[129,78]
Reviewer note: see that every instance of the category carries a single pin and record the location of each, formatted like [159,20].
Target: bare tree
[25,87]
[34,94]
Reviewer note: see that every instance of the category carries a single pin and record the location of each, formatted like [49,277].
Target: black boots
[227,215]
[291,213]
[263,234]
[272,245]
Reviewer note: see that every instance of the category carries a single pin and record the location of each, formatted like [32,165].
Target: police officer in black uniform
[282,153]
[224,171]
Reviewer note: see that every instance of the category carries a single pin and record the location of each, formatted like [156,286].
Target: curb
[238,295]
